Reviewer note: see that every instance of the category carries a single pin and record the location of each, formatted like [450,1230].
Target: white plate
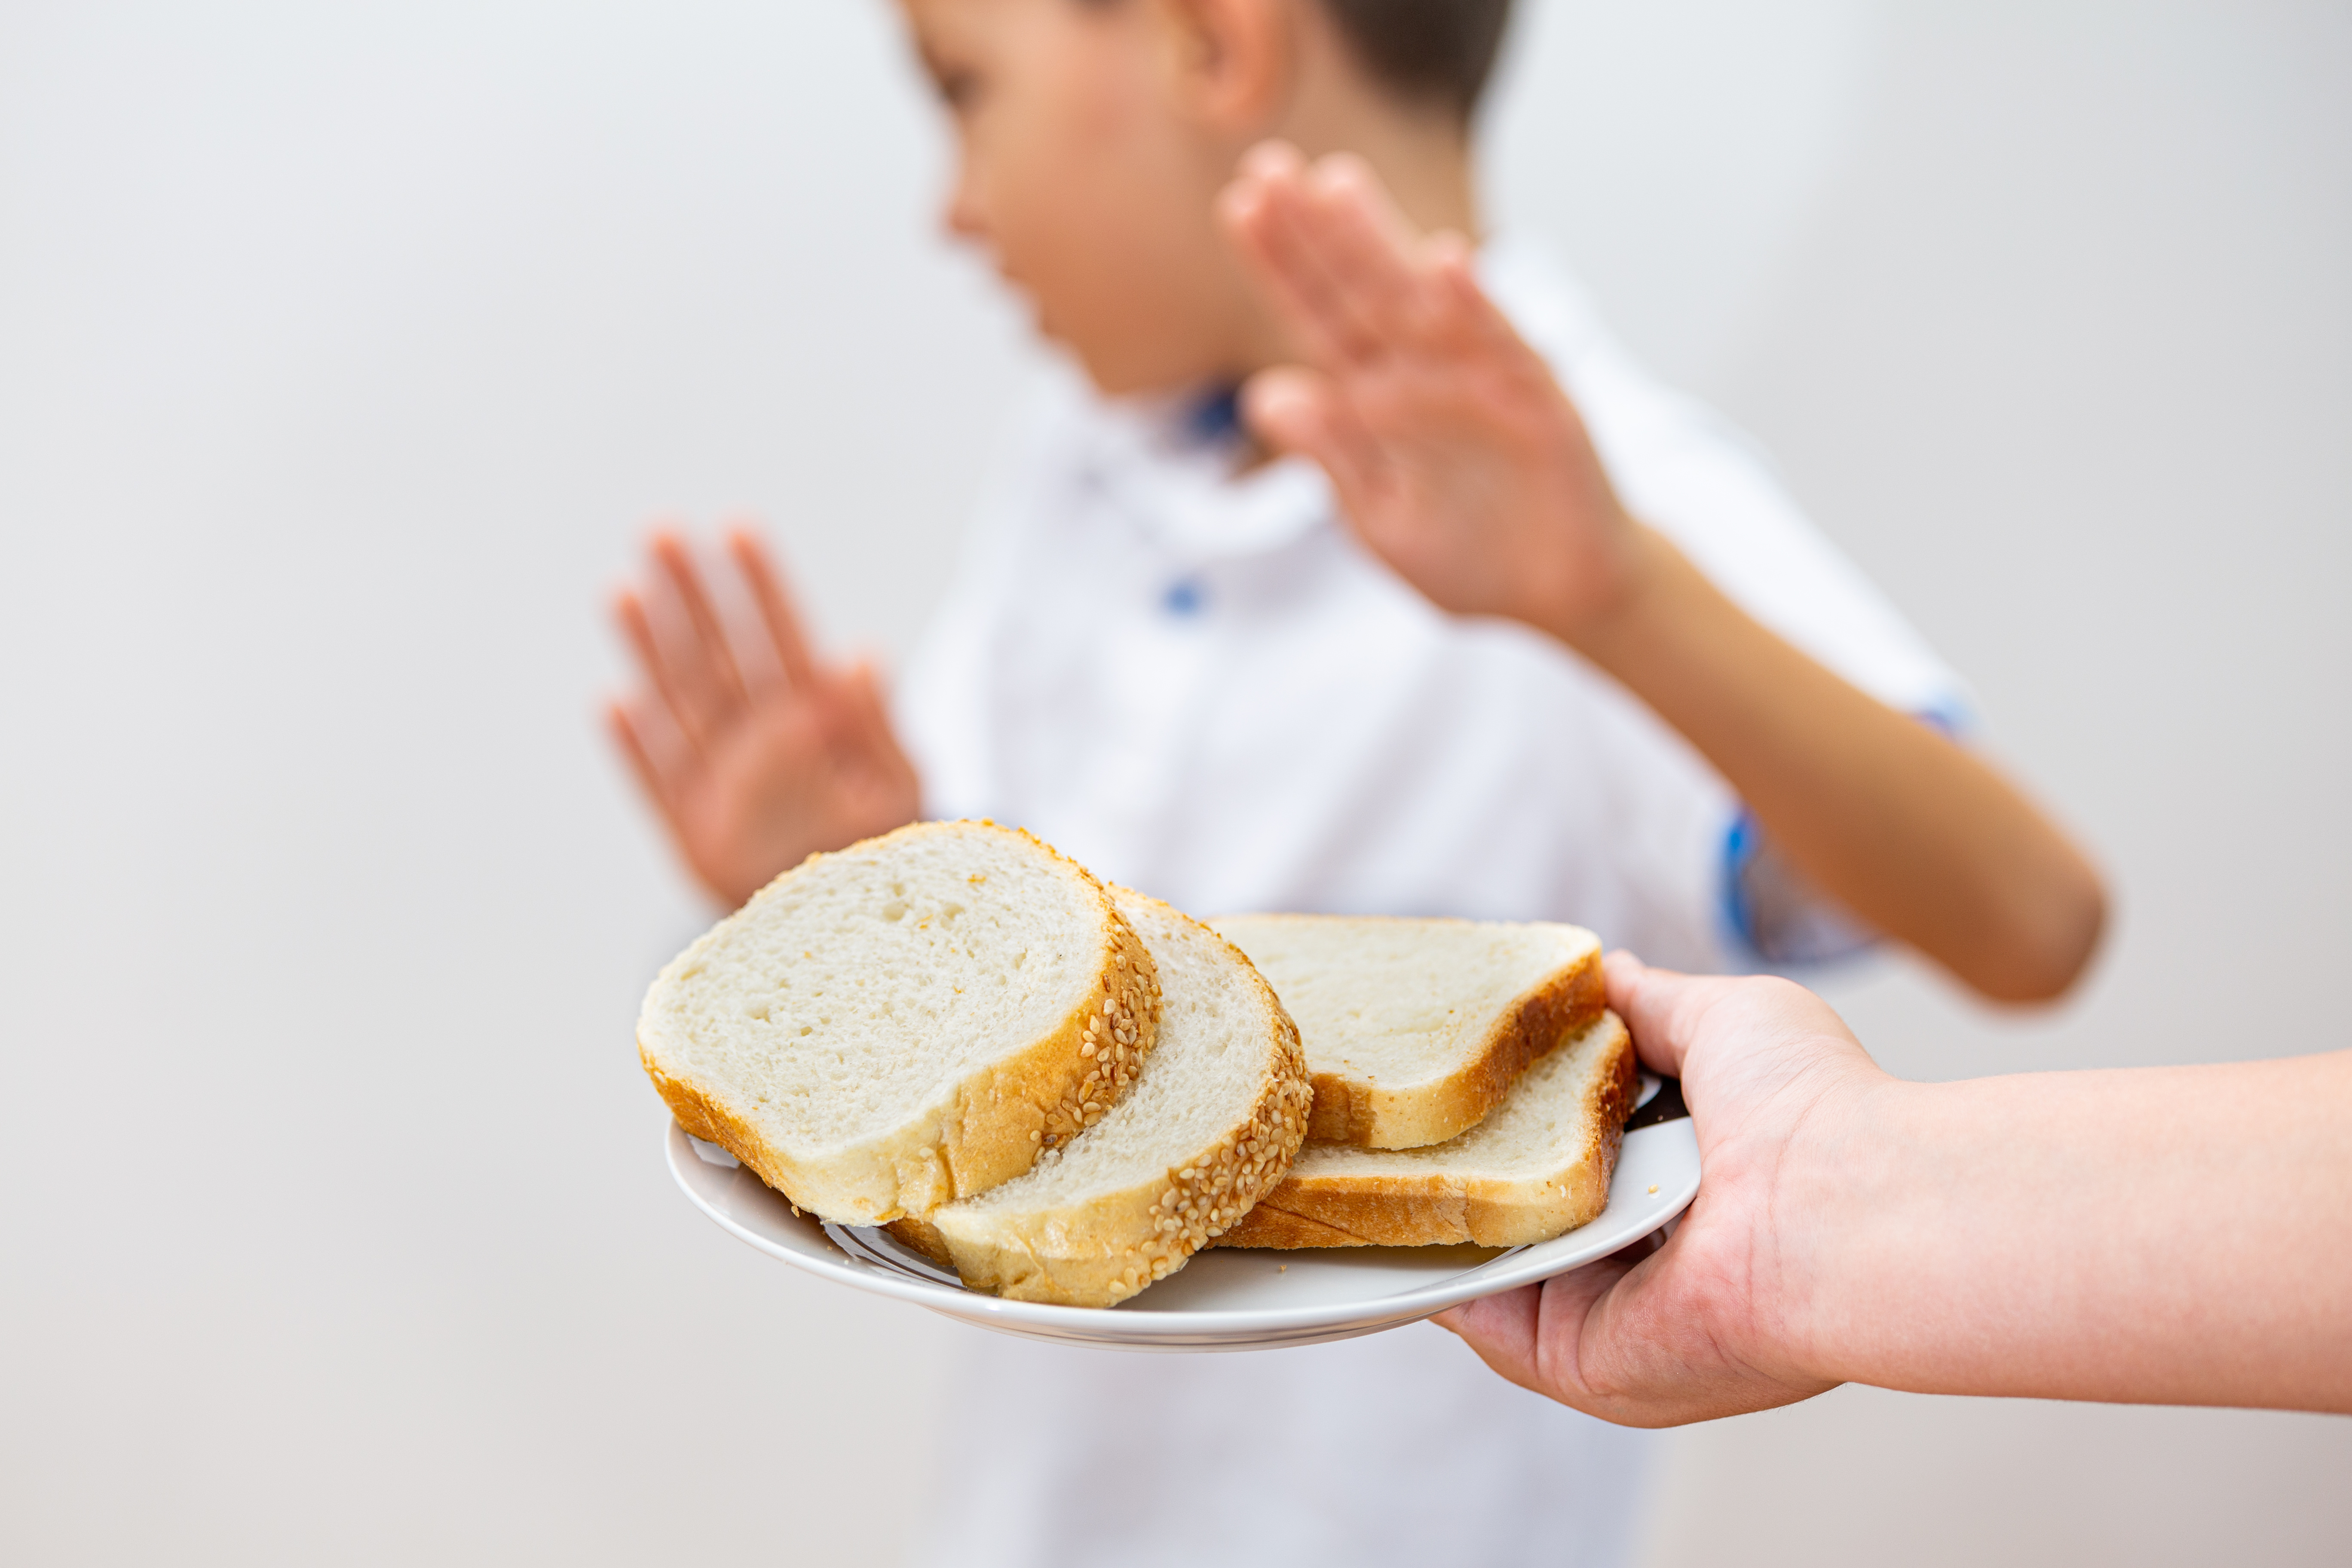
[1223,1300]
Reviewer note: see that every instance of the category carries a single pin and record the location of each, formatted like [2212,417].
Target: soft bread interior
[1401,1003]
[836,1004]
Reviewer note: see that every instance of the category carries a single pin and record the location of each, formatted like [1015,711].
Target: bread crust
[975,1133]
[1104,1251]
[1436,1207]
[1355,1110]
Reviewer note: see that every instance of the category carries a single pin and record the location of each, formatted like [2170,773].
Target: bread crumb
[1282,1269]
[1654,1186]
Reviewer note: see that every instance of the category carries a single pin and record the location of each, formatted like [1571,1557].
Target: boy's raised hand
[754,764]
[1459,460]
[1454,452]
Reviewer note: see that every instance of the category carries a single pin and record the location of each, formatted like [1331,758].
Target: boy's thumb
[1285,407]
[1294,411]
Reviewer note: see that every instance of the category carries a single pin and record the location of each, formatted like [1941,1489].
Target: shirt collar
[1171,466]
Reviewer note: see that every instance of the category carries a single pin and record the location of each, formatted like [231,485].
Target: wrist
[1606,609]
[1834,1197]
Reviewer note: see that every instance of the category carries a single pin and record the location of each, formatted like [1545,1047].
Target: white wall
[344,350]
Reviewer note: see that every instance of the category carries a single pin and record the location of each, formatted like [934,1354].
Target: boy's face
[1091,186]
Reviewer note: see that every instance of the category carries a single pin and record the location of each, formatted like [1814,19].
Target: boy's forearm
[2174,1236]
[1906,828]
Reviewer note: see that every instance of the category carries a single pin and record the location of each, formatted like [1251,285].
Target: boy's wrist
[1605,620]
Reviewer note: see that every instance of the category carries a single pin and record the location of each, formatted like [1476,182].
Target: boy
[1188,664]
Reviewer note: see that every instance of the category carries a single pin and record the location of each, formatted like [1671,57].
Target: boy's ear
[1232,59]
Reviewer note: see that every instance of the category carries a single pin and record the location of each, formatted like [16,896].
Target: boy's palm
[1454,452]
[753,769]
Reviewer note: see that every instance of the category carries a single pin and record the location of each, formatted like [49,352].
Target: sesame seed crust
[1115,1244]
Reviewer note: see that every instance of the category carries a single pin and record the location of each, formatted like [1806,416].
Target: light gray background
[344,350]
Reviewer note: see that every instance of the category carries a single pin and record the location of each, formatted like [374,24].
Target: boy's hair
[1432,51]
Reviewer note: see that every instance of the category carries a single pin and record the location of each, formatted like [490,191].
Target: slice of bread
[911,1020]
[1416,1028]
[1215,1115]
[1536,1168]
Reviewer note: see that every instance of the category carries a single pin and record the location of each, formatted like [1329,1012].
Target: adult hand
[1714,1321]
[754,764]
[1455,455]
[2155,1235]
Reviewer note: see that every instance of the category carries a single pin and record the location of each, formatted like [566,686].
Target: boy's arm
[754,764]
[2157,1236]
[1460,460]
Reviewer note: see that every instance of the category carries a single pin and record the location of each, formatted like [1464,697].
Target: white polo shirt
[1201,685]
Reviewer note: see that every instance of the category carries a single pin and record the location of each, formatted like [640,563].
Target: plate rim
[1205,1329]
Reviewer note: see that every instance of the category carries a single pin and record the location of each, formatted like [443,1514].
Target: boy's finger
[1268,245]
[1298,233]
[767,581]
[1272,159]
[624,730]
[870,713]
[1268,210]
[709,672]
[1460,315]
[636,627]
[1295,411]
[1365,247]
[878,741]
